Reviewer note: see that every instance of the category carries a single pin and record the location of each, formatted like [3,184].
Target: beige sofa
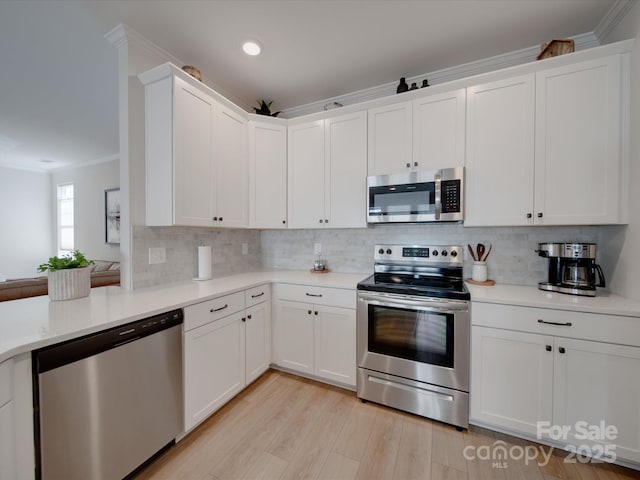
[103,273]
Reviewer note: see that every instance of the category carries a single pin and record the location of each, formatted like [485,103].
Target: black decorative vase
[402,86]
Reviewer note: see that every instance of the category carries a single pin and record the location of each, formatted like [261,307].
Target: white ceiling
[58,81]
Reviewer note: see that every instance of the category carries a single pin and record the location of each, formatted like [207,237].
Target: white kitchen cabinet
[267,174]
[511,381]
[546,148]
[578,143]
[560,367]
[314,332]
[439,130]
[327,173]
[214,366]
[500,152]
[257,332]
[231,169]
[196,153]
[390,148]
[596,382]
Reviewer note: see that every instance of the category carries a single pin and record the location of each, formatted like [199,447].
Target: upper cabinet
[546,148]
[423,134]
[327,172]
[196,153]
[267,174]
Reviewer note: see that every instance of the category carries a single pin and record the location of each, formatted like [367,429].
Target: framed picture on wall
[112,215]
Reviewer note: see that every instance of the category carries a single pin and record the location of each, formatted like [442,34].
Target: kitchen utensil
[480,249]
[473,255]
[487,255]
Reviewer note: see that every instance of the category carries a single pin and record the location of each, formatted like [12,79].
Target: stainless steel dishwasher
[106,403]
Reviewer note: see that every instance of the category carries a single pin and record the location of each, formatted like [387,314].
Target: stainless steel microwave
[415,197]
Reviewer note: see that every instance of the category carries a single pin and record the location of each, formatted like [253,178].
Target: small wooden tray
[326,270]
[486,283]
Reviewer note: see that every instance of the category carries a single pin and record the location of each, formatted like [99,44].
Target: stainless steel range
[413,331]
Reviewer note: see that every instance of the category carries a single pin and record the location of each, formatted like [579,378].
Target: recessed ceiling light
[252,48]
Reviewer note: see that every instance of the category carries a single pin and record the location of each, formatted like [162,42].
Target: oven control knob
[454,253]
[381,251]
[434,253]
[444,253]
[388,251]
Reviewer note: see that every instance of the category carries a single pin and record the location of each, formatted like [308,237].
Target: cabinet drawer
[205,312]
[256,295]
[336,297]
[6,381]
[559,323]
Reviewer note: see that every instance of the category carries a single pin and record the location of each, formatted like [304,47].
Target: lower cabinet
[7,433]
[546,385]
[317,338]
[223,354]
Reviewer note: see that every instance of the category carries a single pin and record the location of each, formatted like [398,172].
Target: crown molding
[510,59]
[612,19]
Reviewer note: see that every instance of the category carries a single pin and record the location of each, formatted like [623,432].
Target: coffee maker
[572,268]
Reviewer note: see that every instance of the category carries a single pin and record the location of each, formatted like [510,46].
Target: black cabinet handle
[326,220]
[315,313]
[313,294]
[220,218]
[249,317]
[215,219]
[244,319]
[258,295]
[218,309]
[284,222]
[408,165]
[548,348]
[309,312]
[565,324]
[539,214]
[415,164]
[320,221]
[529,215]
[561,350]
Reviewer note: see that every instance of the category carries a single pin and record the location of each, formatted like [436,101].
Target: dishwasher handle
[55,356]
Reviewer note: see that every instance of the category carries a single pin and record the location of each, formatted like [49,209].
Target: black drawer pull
[313,294]
[548,348]
[561,350]
[218,309]
[258,295]
[565,324]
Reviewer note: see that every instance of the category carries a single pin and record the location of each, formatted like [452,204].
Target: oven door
[418,338]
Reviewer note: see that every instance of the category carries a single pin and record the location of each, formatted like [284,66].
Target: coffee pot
[572,268]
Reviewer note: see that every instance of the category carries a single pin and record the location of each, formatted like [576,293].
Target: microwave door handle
[438,199]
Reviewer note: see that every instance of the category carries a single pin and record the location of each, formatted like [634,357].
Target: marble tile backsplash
[182,253]
[512,259]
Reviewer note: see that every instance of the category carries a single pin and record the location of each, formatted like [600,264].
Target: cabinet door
[293,336]
[267,175]
[335,344]
[578,112]
[346,171]
[439,130]
[193,160]
[258,340]
[598,382]
[306,175]
[390,131]
[511,379]
[7,441]
[500,155]
[214,366]
[231,186]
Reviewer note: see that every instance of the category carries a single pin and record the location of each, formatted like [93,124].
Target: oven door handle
[422,304]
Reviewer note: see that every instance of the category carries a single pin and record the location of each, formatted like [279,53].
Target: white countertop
[32,323]
[530,296]
[36,322]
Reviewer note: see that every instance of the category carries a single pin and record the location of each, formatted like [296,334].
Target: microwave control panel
[451,196]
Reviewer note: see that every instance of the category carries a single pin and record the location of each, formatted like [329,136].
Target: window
[65,218]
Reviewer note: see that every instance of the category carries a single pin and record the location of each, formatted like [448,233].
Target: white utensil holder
[479,272]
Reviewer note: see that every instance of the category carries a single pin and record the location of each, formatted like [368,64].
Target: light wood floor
[285,427]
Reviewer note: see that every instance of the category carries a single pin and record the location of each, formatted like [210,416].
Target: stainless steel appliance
[414,197]
[413,330]
[106,403]
[572,268]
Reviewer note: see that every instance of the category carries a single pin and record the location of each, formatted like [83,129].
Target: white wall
[89,182]
[622,243]
[25,222]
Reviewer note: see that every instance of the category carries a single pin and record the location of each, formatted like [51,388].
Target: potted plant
[265,109]
[68,276]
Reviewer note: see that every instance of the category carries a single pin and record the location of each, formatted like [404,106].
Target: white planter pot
[69,283]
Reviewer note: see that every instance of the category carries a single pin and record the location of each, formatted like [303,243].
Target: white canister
[479,272]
